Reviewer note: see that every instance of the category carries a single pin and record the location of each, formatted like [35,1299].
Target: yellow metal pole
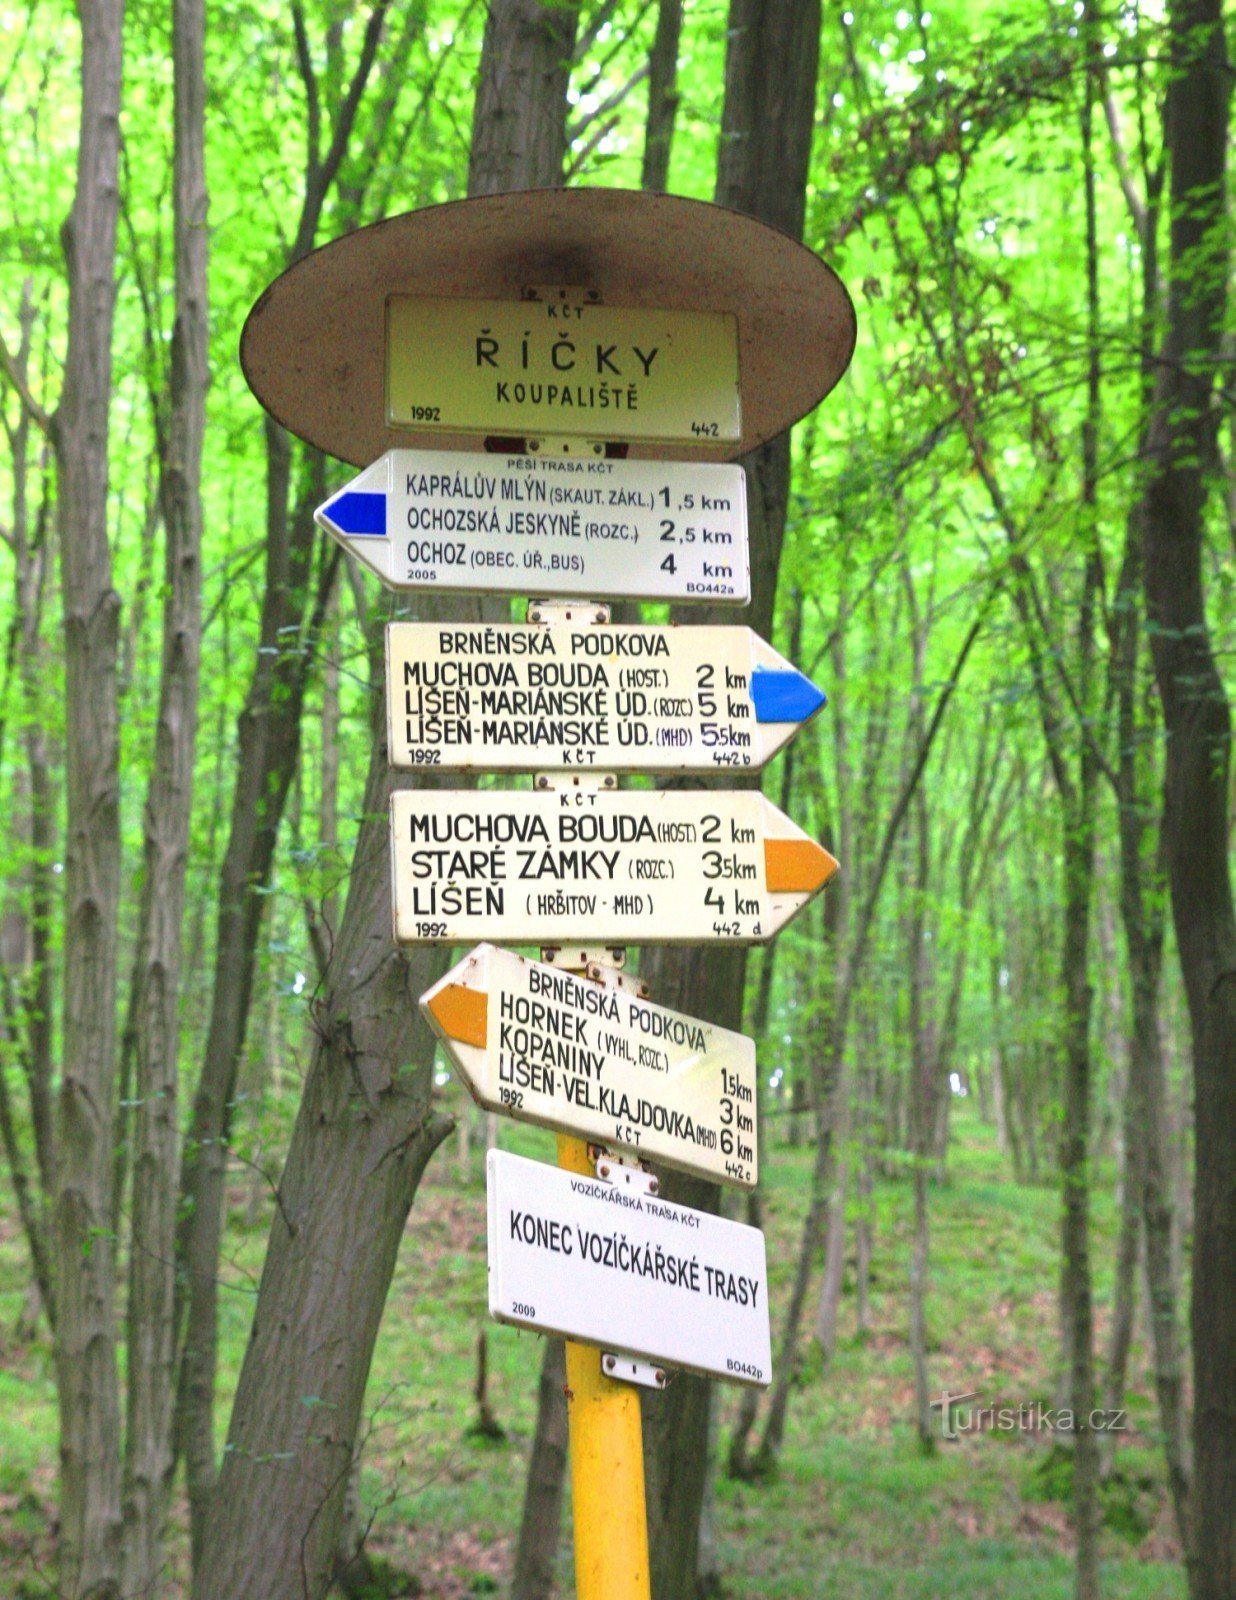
[607,1462]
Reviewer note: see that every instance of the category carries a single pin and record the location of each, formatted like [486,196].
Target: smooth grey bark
[157,967]
[1179,444]
[87,1379]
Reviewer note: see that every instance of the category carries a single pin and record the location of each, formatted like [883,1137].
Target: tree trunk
[363,1135]
[518,120]
[662,96]
[365,1128]
[155,1129]
[772,53]
[1075,1176]
[540,1527]
[269,742]
[1128,1254]
[269,747]
[829,1303]
[87,1382]
[26,987]
[1178,446]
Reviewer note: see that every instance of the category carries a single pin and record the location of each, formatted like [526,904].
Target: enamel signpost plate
[537,1043]
[527,524]
[512,368]
[574,866]
[609,1266]
[628,699]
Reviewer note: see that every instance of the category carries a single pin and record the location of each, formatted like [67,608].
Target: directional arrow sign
[517,697]
[576,866]
[536,1043]
[643,530]
[627,1271]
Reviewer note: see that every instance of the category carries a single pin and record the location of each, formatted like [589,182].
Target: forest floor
[857,1510]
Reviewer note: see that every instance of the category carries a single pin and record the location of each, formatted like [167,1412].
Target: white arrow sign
[606,1265]
[544,1046]
[641,530]
[579,865]
[516,698]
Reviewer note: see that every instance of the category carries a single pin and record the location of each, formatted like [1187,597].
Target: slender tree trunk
[155,1126]
[87,1383]
[1128,1253]
[829,1304]
[540,1527]
[269,742]
[269,747]
[1074,1167]
[662,96]
[27,984]
[518,120]
[1178,446]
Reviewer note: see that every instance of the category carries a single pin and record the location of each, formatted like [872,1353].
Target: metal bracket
[555,613]
[583,958]
[630,1369]
[623,1171]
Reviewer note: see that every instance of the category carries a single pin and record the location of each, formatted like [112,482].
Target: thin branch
[1134,201]
[42,420]
[313,108]
[610,103]
[582,155]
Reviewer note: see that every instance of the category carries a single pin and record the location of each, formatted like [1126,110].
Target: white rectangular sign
[517,697]
[539,1044]
[533,525]
[580,865]
[597,1262]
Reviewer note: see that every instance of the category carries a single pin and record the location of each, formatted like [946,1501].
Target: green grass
[856,1510]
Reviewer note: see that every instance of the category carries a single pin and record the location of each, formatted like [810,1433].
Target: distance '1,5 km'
[429,519]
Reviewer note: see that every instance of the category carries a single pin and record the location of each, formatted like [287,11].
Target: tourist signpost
[623,699]
[552,524]
[511,374]
[540,1044]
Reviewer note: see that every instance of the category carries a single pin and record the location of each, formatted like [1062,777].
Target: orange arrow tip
[797,866]
[461,1013]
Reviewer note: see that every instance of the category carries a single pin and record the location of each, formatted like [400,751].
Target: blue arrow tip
[356,512]
[784,695]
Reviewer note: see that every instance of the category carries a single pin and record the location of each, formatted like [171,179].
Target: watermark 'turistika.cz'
[1030,1416]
